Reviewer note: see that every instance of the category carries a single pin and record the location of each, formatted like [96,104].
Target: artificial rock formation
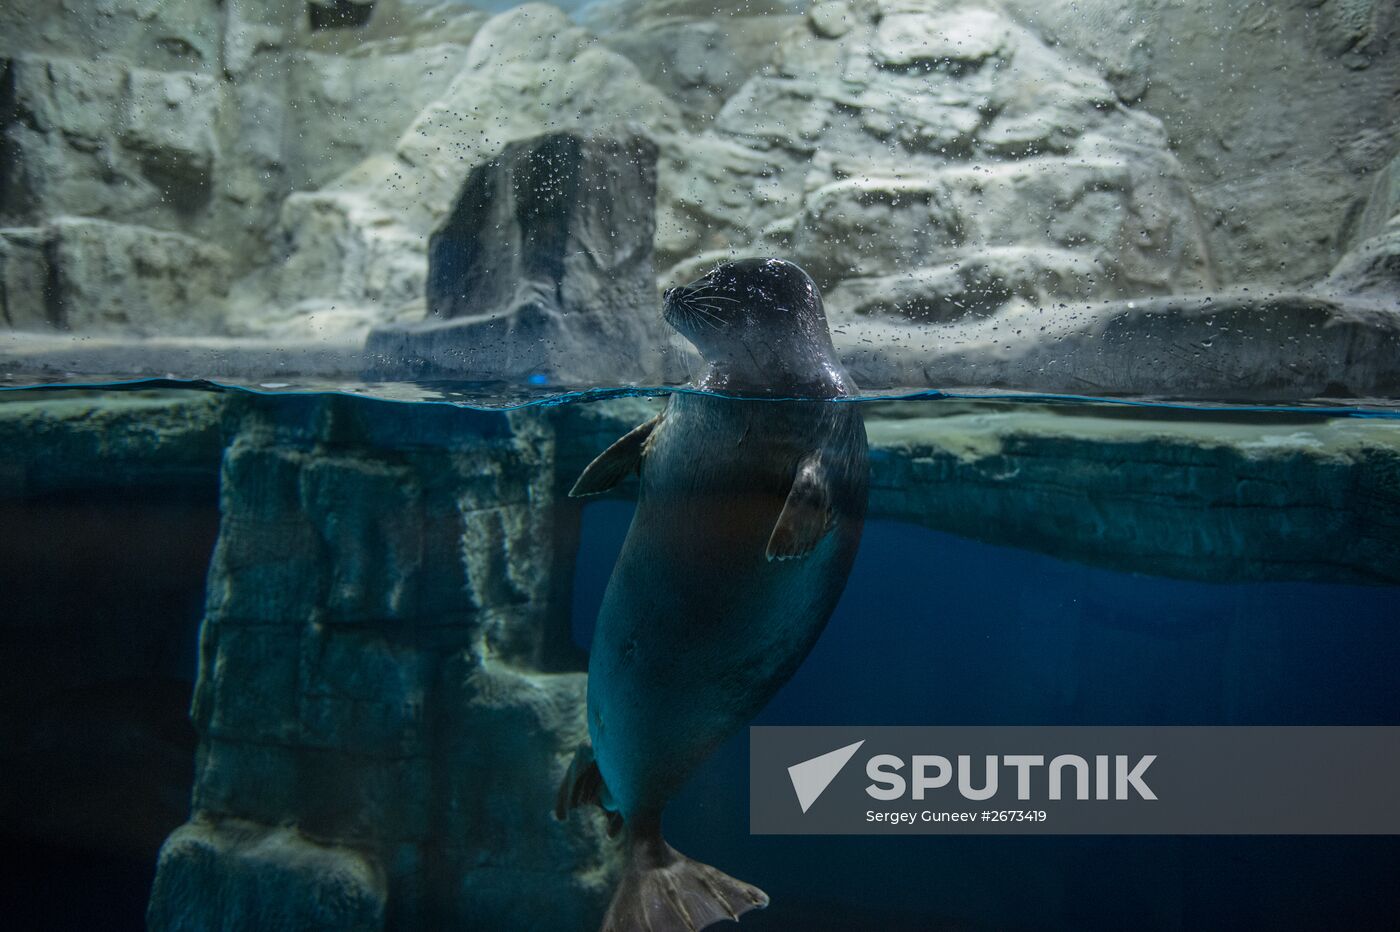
[1372,268]
[361,239]
[131,113]
[935,163]
[542,269]
[1213,496]
[97,277]
[1280,114]
[932,160]
[380,737]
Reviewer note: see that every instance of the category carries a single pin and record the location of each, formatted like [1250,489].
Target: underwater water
[381,612]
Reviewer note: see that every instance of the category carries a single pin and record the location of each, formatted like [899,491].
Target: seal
[747,523]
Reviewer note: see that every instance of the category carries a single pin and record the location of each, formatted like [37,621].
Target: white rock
[831,19]
[112,276]
[170,120]
[24,279]
[967,37]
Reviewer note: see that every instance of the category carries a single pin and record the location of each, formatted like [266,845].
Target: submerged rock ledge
[1216,499]
[1104,487]
[1185,493]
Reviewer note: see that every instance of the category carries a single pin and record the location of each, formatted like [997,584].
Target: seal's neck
[817,377]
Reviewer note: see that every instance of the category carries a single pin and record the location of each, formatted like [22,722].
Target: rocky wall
[1281,113]
[381,737]
[274,171]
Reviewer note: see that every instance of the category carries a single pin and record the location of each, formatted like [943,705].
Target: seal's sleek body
[748,520]
[699,628]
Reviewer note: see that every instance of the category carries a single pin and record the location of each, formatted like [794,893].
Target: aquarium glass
[432,433]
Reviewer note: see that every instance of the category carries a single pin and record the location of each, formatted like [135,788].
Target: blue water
[933,629]
[936,629]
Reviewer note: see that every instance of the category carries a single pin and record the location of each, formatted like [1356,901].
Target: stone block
[24,279]
[542,268]
[360,799]
[367,516]
[266,567]
[364,694]
[246,780]
[253,683]
[59,152]
[119,277]
[170,121]
[241,877]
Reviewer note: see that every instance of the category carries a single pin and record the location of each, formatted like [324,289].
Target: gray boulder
[543,267]
[360,238]
[95,276]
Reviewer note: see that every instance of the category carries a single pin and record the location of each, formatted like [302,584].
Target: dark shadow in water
[935,629]
[102,596]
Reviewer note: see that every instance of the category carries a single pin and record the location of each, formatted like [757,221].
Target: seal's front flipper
[662,890]
[614,463]
[806,515]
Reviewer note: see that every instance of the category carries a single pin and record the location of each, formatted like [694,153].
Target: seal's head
[761,326]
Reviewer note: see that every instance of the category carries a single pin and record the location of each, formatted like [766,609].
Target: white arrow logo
[811,777]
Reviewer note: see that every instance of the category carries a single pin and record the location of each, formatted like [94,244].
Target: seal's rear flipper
[662,890]
[583,785]
[613,464]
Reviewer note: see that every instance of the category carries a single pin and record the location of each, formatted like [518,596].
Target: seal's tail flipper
[662,890]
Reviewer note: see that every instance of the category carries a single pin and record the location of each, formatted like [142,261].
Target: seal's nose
[666,295]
